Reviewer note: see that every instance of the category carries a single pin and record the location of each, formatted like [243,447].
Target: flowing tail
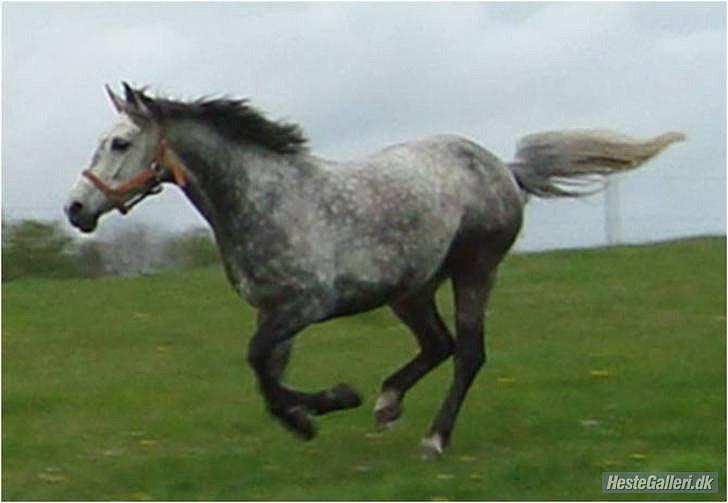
[575,163]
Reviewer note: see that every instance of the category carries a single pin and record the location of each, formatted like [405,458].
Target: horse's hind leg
[419,313]
[471,296]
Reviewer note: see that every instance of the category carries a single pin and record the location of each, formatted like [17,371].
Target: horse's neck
[226,177]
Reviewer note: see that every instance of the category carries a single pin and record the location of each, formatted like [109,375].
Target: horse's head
[130,162]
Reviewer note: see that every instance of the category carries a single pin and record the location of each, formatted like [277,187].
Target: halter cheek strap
[170,160]
[165,162]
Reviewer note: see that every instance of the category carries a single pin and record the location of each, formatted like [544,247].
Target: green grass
[599,360]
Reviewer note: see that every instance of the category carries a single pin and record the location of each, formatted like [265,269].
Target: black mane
[233,118]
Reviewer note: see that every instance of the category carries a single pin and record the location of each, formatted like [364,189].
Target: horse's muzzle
[80,218]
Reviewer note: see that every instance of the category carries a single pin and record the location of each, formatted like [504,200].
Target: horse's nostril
[75,208]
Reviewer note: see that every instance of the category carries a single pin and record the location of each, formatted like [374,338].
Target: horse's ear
[116,100]
[134,105]
[129,93]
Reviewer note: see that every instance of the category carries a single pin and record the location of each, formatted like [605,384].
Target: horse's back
[483,186]
[400,211]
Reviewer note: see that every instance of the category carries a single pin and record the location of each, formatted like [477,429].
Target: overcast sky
[360,76]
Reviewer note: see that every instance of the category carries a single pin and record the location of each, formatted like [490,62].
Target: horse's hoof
[387,418]
[298,420]
[432,447]
[387,410]
[345,396]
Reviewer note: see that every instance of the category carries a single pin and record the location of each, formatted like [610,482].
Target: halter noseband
[165,161]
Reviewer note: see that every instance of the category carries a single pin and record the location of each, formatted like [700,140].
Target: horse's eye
[120,144]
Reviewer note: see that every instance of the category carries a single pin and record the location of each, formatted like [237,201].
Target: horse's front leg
[280,355]
[268,354]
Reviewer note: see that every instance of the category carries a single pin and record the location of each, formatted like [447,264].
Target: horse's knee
[254,359]
[471,361]
[442,347]
[476,361]
[278,359]
[258,354]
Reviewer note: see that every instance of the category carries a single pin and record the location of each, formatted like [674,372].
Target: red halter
[147,182]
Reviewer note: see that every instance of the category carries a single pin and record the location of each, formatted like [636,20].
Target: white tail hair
[574,163]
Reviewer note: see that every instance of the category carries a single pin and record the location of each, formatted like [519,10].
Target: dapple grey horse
[304,239]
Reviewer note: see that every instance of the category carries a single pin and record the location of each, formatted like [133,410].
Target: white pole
[611,205]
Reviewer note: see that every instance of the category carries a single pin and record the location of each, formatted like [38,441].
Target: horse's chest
[270,264]
[257,284]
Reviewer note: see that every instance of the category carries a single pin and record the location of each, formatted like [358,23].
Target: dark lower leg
[471,296]
[279,358]
[338,397]
[436,345]
[469,358]
[268,354]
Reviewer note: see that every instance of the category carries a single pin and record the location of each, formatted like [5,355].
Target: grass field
[599,360]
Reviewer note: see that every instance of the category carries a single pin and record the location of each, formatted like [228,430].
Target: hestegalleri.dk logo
[660,482]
